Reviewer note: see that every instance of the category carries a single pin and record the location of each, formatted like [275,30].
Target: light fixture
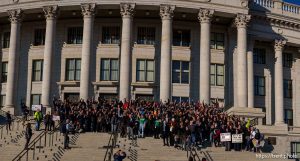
[217,19]
[109,12]
[183,15]
[73,13]
[39,15]
[147,13]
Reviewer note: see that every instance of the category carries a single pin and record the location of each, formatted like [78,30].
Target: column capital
[50,11]
[166,12]
[88,9]
[205,15]
[127,9]
[279,44]
[242,20]
[15,15]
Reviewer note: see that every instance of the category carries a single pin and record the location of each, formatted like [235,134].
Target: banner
[237,138]
[225,137]
[55,118]
[36,107]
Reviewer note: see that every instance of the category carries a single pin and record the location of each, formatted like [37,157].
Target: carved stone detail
[15,16]
[50,12]
[127,9]
[166,11]
[279,44]
[88,9]
[242,20]
[245,3]
[205,15]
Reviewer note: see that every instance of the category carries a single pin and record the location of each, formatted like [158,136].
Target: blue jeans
[141,130]
[37,125]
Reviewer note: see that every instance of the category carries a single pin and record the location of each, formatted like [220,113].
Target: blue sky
[293,1]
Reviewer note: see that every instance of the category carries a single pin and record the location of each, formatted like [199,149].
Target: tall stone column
[13,57]
[278,74]
[241,82]
[50,15]
[166,14]
[204,17]
[127,12]
[88,12]
[250,73]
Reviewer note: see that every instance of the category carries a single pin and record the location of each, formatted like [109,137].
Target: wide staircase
[87,147]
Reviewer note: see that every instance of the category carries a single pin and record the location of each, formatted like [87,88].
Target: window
[145,70]
[217,41]
[39,37]
[73,69]
[287,60]
[295,150]
[259,56]
[180,99]
[37,70]
[217,75]
[259,85]
[181,37]
[75,35]
[146,35]
[111,35]
[2,101]
[109,69]
[6,39]
[288,117]
[288,88]
[35,99]
[180,72]
[4,72]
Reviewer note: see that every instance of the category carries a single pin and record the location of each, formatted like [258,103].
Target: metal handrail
[192,153]
[38,141]
[111,145]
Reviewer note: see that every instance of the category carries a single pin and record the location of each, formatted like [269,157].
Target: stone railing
[277,7]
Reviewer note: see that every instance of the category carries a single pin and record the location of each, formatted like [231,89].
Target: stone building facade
[245,54]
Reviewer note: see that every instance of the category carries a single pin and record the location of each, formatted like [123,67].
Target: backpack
[257,136]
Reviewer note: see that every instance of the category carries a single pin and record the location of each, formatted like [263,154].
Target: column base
[247,112]
[281,129]
[10,108]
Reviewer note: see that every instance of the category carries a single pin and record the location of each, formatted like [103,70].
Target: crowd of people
[178,124]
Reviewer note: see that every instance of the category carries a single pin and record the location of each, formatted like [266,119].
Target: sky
[293,1]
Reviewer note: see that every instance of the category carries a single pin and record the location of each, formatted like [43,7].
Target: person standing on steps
[38,117]
[28,135]
[65,131]
[8,121]
[119,155]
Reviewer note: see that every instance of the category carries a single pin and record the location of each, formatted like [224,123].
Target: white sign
[55,118]
[36,107]
[225,137]
[237,138]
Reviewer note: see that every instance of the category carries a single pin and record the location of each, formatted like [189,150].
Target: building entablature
[223,6]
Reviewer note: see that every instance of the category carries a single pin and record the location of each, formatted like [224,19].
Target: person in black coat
[165,132]
[8,121]
[28,135]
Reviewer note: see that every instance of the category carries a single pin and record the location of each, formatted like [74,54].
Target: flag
[248,123]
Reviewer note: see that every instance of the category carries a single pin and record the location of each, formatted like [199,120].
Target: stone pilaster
[49,50]
[250,73]
[15,17]
[166,14]
[241,22]
[278,75]
[88,12]
[205,16]
[127,13]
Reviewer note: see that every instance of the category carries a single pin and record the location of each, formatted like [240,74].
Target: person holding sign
[237,145]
